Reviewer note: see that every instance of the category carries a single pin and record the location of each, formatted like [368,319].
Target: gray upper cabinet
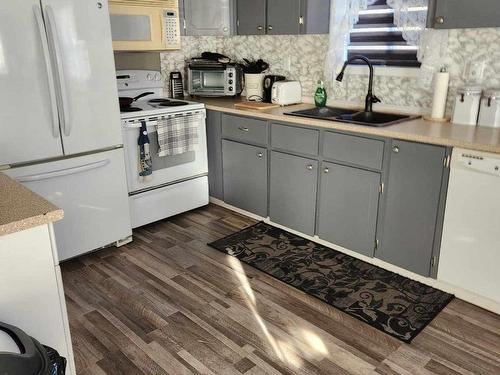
[283,17]
[214,150]
[275,17]
[453,14]
[245,176]
[202,17]
[316,17]
[415,187]
[292,194]
[348,207]
[251,17]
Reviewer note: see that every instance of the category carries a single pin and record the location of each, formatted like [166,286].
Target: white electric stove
[179,183]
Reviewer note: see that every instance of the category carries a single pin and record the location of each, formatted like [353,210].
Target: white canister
[467,104]
[254,86]
[489,114]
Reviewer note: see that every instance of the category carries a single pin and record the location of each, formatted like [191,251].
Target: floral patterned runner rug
[385,300]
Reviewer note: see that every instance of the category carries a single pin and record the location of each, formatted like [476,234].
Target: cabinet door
[292,194]
[348,207]
[245,176]
[214,150]
[204,17]
[283,17]
[251,17]
[452,14]
[413,195]
[316,15]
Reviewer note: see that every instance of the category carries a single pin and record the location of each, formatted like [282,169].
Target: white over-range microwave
[145,25]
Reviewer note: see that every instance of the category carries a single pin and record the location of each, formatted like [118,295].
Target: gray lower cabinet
[204,17]
[244,169]
[292,194]
[453,14]
[214,150]
[251,17]
[348,207]
[411,219]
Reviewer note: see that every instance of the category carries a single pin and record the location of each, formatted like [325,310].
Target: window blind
[377,37]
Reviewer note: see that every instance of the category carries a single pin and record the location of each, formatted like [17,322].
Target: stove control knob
[230,74]
[149,77]
[158,77]
[230,81]
[230,89]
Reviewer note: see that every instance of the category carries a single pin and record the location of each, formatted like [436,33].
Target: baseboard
[463,294]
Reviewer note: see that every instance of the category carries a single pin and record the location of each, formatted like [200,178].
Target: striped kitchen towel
[178,134]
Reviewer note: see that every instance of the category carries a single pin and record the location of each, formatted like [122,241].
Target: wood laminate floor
[169,304]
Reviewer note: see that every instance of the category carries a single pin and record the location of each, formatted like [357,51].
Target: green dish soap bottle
[320,95]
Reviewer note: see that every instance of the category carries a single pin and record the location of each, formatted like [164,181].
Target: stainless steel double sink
[377,119]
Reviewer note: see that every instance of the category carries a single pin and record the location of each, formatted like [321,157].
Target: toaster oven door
[207,82]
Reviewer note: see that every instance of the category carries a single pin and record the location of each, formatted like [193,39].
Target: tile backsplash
[302,58]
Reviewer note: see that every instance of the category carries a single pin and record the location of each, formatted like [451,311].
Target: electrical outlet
[474,71]
[287,63]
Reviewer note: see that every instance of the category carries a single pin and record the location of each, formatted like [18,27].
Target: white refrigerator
[59,117]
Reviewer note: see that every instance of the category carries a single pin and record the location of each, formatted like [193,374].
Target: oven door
[166,169]
[209,82]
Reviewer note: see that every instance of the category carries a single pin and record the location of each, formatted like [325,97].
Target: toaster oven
[212,78]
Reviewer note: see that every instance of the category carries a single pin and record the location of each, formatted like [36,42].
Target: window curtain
[409,15]
[343,15]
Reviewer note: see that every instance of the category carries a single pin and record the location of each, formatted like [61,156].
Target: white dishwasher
[470,249]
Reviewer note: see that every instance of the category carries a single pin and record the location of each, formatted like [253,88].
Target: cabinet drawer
[291,138]
[354,150]
[244,129]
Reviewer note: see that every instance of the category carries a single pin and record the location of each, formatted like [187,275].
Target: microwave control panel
[172,30]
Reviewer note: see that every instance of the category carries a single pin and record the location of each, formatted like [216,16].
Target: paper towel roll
[441,80]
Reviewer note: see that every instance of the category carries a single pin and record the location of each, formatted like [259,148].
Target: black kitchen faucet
[370,98]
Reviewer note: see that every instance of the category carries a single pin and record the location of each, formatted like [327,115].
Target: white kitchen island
[31,290]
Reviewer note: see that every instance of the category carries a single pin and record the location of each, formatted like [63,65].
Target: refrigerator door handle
[48,65]
[63,172]
[63,94]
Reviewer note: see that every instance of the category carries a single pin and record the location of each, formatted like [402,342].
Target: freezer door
[29,127]
[80,42]
[91,190]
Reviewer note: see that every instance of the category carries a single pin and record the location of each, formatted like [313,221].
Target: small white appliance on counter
[59,117]
[178,183]
[286,93]
[470,249]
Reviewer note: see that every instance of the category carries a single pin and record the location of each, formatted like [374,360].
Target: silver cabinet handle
[259,27]
[440,20]
[260,154]
[326,170]
[56,48]
[310,167]
[225,29]
[269,27]
[243,129]
[50,74]
[395,149]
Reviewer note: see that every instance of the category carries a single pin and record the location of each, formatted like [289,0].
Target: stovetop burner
[130,109]
[172,104]
[161,102]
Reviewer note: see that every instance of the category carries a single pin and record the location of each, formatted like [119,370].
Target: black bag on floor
[32,358]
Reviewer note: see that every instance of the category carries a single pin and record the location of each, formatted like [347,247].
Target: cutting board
[260,106]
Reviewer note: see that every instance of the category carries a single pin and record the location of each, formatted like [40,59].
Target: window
[377,37]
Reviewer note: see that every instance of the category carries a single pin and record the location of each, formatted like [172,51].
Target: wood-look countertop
[21,209]
[445,134]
